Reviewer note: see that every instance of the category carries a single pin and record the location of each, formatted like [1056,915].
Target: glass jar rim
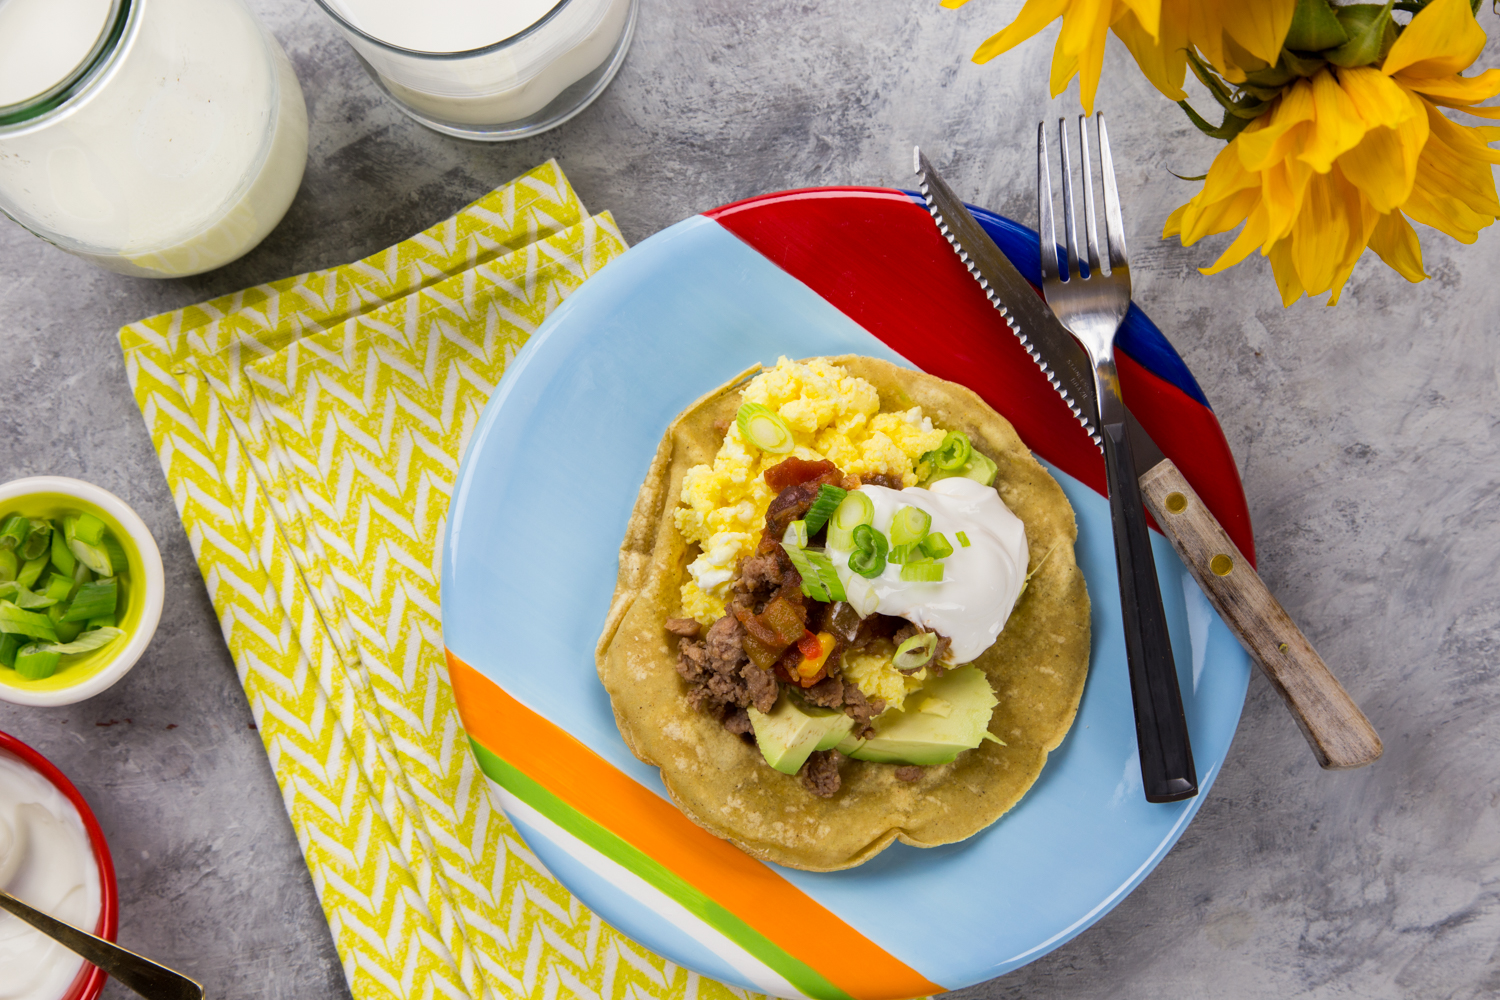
[79,76]
[504,43]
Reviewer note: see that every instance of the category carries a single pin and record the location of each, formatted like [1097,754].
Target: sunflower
[1234,36]
[1341,158]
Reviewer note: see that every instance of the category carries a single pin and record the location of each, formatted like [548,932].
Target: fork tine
[1090,231]
[1070,266]
[1046,232]
[1114,227]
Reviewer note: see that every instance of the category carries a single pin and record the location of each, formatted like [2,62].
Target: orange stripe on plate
[786,915]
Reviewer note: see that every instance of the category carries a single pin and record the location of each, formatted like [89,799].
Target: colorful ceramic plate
[535,525]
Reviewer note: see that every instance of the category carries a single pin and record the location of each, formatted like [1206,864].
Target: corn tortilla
[1037,667]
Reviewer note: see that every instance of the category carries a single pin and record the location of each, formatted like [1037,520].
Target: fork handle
[1167,770]
[1338,732]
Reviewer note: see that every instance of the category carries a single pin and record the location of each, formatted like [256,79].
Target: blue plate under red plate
[529,565]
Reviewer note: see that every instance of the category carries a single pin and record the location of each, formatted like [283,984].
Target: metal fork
[1092,307]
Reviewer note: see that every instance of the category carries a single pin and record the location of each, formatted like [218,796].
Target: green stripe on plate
[799,974]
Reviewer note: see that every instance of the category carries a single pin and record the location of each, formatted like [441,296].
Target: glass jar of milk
[488,69]
[158,138]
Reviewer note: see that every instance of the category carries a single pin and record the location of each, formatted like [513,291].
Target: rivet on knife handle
[1337,731]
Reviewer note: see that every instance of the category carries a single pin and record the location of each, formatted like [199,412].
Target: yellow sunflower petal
[1035,16]
[1320,234]
[1162,57]
[1454,91]
[1275,134]
[1442,39]
[1338,125]
[1362,221]
[1284,188]
[1147,13]
[1396,242]
[1084,32]
[1173,225]
[1260,26]
[954,4]
[1219,216]
[1285,271]
[1252,237]
[1378,99]
[1384,164]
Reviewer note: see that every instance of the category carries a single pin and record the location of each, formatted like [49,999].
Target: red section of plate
[90,980]
[876,255]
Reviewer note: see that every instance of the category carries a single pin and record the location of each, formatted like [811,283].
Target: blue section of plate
[529,564]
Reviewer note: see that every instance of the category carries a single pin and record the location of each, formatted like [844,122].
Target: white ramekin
[152,579]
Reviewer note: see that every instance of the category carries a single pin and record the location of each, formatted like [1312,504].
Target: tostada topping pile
[851,562]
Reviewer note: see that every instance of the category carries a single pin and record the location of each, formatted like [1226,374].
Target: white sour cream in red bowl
[52,856]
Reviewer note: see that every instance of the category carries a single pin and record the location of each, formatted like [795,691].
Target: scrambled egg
[832,414]
[872,671]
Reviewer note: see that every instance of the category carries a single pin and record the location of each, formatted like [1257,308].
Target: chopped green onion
[118,561]
[8,565]
[87,642]
[870,548]
[953,453]
[61,557]
[922,571]
[92,556]
[103,621]
[13,531]
[9,644]
[38,541]
[24,598]
[88,528]
[59,587]
[827,575]
[34,662]
[27,577]
[93,600]
[916,651]
[903,553]
[811,585]
[937,546]
[909,525]
[963,540]
[855,509]
[38,626]
[764,428]
[829,498]
[796,534]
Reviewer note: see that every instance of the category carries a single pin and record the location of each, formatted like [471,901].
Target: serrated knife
[1337,731]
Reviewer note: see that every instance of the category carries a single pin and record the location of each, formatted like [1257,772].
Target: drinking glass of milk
[158,138]
[488,69]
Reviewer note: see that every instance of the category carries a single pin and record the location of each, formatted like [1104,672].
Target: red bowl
[90,980]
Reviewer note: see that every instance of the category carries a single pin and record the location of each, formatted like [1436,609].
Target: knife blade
[1337,731]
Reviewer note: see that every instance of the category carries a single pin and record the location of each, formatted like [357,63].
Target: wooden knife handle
[1337,731]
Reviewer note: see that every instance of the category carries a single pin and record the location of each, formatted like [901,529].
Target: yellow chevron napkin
[310,430]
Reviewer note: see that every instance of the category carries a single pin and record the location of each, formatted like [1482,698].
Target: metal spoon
[155,982]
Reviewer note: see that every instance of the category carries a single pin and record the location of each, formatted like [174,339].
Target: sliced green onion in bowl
[92,600]
[89,641]
[916,651]
[31,623]
[29,573]
[9,565]
[13,531]
[764,428]
[829,498]
[922,571]
[38,541]
[35,662]
[937,546]
[854,510]
[62,556]
[909,525]
[87,528]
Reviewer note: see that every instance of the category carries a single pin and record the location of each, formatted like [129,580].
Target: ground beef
[758,579]
[827,693]
[715,674]
[762,687]
[684,627]
[820,775]
[861,709]
[692,659]
[725,648]
[737,721]
[876,626]
[908,772]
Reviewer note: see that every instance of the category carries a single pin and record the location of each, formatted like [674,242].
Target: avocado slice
[959,705]
[792,730]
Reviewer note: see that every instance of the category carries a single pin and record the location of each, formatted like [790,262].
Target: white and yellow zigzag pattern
[310,431]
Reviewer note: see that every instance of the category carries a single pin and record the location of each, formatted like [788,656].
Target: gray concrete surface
[1366,435]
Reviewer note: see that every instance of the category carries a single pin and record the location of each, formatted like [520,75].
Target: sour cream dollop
[981,581]
[45,860]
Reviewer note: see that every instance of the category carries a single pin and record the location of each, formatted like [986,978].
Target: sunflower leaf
[1184,177]
[1232,126]
[1372,32]
[1315,27]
